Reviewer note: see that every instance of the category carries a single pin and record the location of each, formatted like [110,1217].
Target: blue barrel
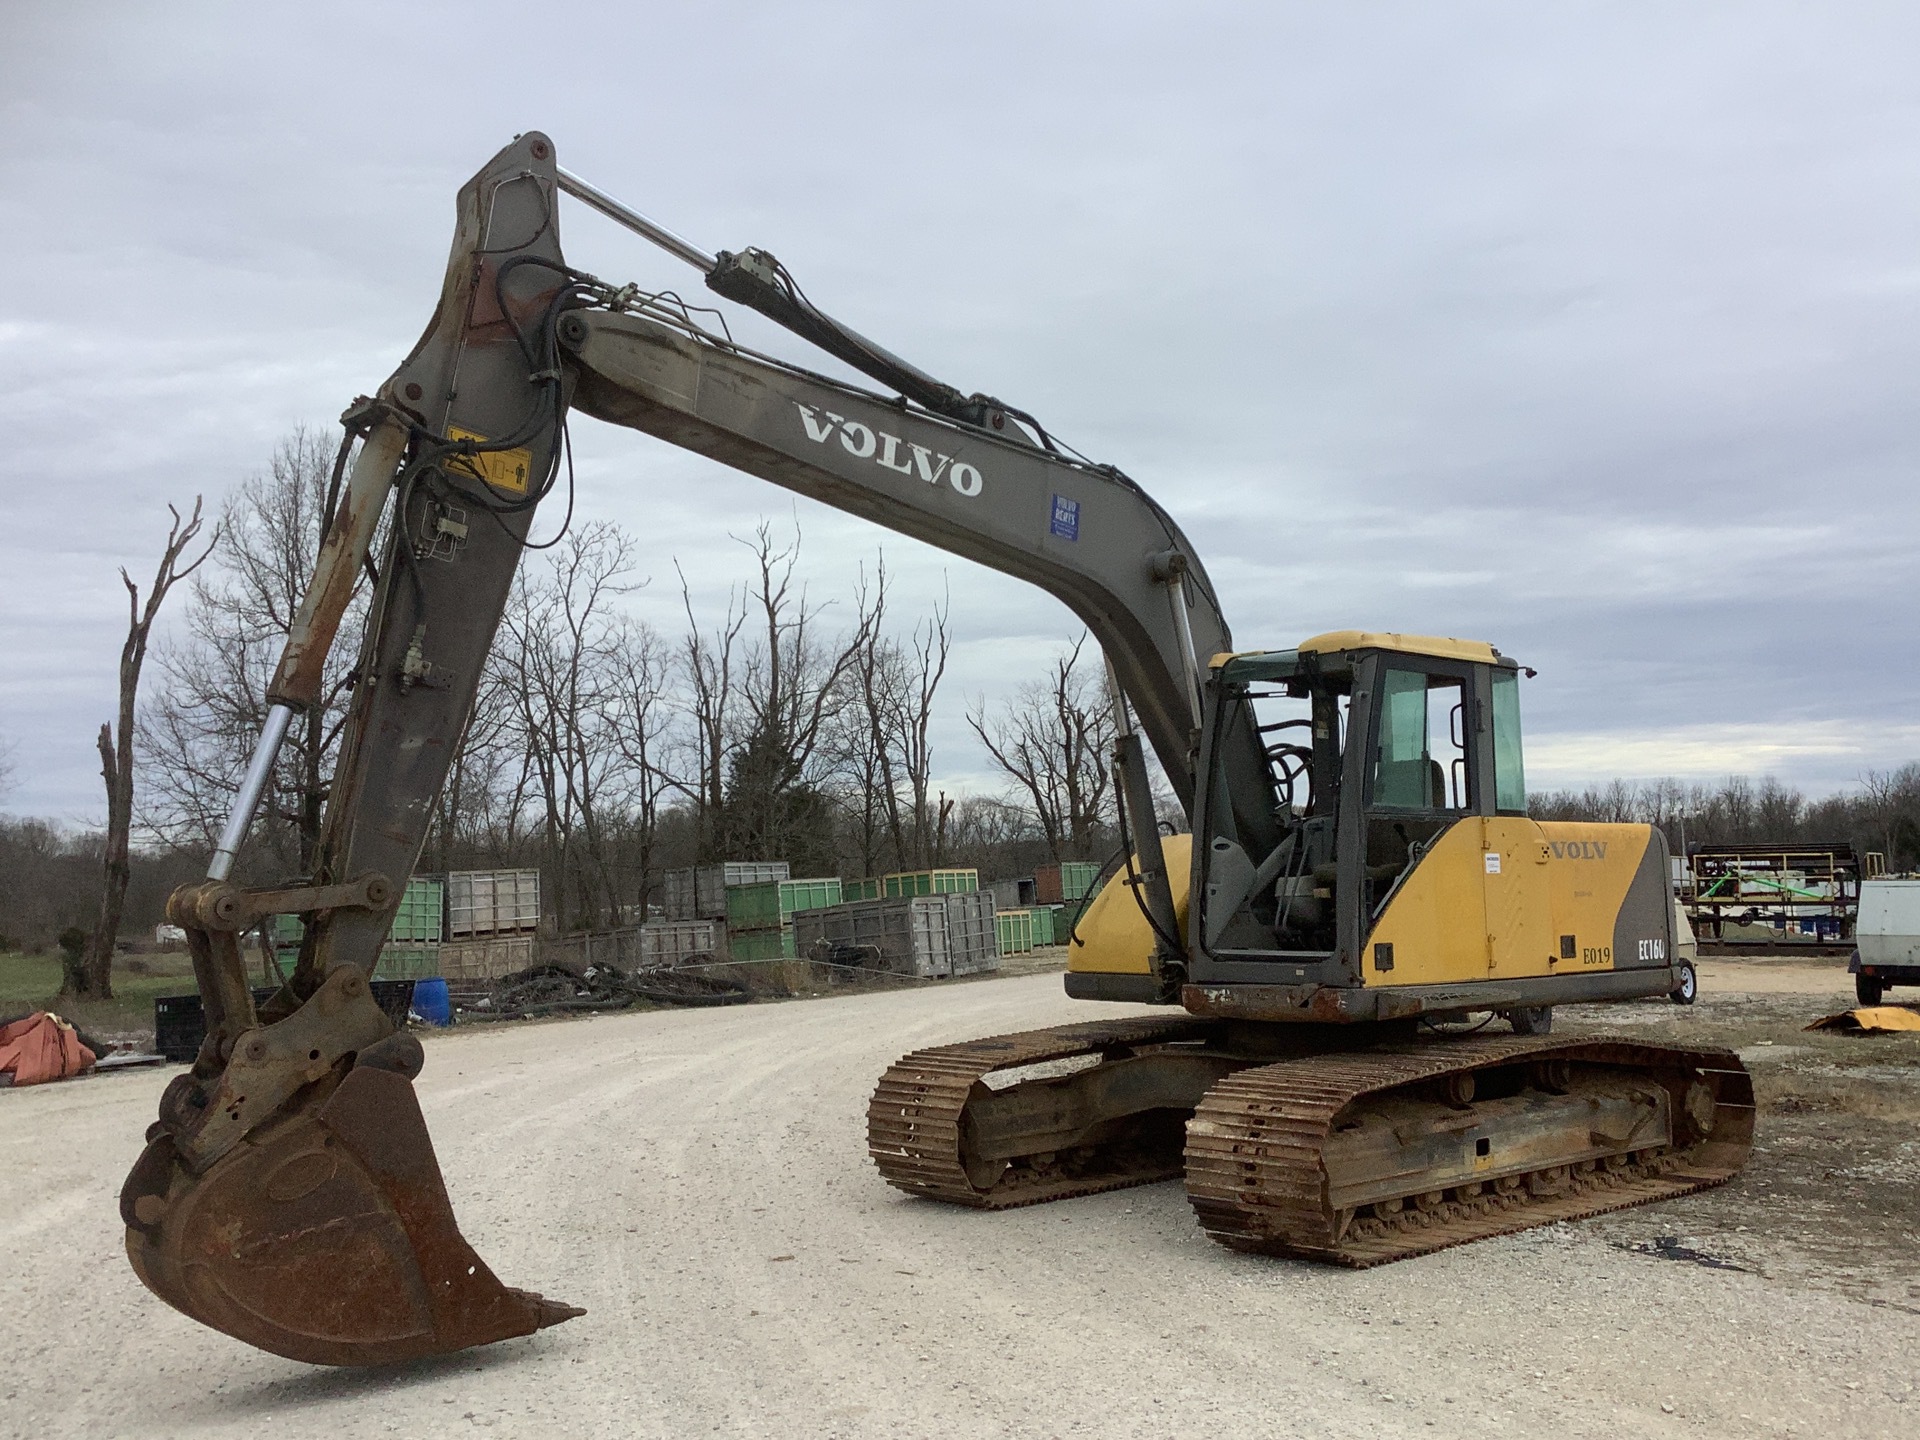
[430,1002]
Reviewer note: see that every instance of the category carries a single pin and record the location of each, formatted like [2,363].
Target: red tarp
[42,1047]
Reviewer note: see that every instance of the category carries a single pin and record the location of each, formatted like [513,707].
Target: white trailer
[1886,937]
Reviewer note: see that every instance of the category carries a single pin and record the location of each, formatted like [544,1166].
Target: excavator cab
[1438,721]
[1388,868]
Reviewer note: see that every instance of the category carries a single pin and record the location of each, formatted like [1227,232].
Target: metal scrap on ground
[561,989]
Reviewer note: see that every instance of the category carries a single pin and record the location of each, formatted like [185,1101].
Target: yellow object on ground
[1870,1020]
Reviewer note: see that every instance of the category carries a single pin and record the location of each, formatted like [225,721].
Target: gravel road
[698,1181]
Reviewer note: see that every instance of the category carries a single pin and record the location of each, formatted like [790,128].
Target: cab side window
[1421,762]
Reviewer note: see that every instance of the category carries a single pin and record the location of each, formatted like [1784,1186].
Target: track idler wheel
[326,1235]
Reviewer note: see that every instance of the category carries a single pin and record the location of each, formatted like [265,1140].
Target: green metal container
[771,903]
[420,920]
[931,882]
[1077,878]
[868,889]
[760,944]
[421,917]
[1042,918]
[1016,931]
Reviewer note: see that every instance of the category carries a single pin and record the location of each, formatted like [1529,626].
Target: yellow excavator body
[1494,897]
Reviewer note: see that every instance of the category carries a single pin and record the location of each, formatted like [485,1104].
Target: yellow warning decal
[502,469]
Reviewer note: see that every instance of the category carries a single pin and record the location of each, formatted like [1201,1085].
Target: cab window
[1421,761]
[1509,771]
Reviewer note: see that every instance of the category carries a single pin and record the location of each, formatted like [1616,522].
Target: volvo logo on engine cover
[1579,849]
[863,442]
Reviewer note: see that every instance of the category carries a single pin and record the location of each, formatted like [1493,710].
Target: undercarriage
[1327,1143]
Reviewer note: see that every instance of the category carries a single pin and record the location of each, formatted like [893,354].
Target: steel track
[1257,1177]
[1255,1161]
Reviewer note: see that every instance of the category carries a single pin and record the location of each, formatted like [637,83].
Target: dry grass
[1795,1092]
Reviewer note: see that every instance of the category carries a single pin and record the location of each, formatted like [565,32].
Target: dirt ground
[1831,1198]
[697,1181]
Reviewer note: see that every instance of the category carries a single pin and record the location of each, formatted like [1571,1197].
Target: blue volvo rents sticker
[1066,518]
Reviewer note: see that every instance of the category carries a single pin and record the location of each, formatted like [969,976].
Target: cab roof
[1433,647]
[1436,647]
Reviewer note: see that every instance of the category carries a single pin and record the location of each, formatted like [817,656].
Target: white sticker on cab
[1493,862]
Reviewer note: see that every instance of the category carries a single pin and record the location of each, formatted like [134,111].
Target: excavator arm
[289,1195]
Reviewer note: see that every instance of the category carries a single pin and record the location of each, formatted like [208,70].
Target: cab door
[1513,858]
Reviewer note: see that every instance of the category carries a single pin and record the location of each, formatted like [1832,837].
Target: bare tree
[1052,741]
[790,693]
[563,652]
[640,721]
[1889,810]
[197,737]
[887,747]
[89,974]
[707,663]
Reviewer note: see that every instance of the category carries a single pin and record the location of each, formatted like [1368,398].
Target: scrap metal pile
[562,989]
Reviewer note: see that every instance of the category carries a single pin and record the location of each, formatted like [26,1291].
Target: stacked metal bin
[931,936]
[760,914]
[666,943]
[1042,917]
[1016,931]
[1062,883]
[700,893]
[973,939]
[930,882]
[412,951]
[772,903]
[658,945]
[486,958]
[761,944]
[492,902]
[492,916]
[467,925]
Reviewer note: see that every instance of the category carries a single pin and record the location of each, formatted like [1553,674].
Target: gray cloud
[1588,330]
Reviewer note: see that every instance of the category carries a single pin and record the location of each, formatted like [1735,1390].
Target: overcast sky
[1589,330]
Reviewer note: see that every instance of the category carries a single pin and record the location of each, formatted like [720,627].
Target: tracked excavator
[1360,876]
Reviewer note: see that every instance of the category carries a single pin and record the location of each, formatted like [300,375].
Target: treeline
[1883,814]
[50,882]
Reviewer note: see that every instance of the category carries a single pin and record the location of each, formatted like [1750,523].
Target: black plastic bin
[179,1023]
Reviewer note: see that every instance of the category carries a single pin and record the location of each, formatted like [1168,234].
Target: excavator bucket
[326,1234]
